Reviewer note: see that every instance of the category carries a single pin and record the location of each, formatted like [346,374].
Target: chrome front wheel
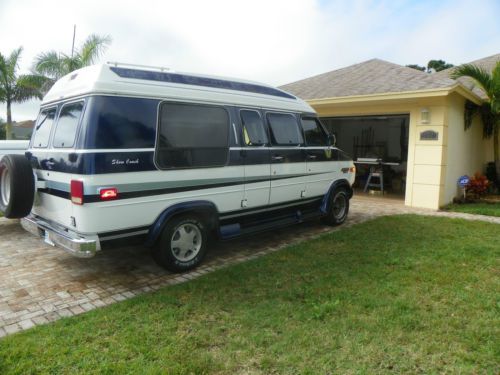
[338,209]
[339,206]
[186,242]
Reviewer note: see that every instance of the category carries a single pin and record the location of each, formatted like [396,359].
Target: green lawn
[489,209]
[401,294]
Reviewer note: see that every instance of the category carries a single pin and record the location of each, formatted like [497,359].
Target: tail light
[108,194]
[77,192]
[352,169]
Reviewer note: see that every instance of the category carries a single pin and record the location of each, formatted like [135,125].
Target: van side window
[120,122]
[42,128]
[254,133]
[67,125]
[314,133]
[192,135]
[284,129]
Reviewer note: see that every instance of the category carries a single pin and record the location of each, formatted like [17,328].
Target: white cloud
[264,40]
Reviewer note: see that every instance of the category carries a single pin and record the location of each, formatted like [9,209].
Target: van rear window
[43,126]
[120,122]
[192,135]
[67,125]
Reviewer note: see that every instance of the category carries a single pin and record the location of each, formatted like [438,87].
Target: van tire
[338,208]
[17,186]
[191,235]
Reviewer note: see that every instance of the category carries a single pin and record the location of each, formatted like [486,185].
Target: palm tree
[2,129]
[490,109]
[54,65]
[14,88]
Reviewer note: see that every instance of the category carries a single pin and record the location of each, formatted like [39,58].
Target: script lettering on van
[125,161]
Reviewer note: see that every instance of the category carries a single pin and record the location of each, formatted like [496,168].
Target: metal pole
[73,45]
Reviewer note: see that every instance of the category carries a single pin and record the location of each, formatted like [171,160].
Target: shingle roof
[486,63]
[370,77]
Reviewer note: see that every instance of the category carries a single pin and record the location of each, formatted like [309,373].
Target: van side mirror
[332,140]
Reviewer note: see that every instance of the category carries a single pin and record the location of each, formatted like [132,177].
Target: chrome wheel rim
[5,186]
[339,206]
[186,242]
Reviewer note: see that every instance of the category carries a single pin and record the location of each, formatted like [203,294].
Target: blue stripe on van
[185,79]
[119,162]
[135,161]
[93,163]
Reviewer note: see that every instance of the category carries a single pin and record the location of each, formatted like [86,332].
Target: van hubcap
[186,242]
[339,206]
[5,186]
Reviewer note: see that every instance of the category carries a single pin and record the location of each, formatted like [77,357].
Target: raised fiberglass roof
[139,81]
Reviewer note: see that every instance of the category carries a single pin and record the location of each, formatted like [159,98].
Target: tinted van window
[118,122]
[67,124]
[42,128]
[285,129]
[192,135]
[315,136]
[254,133]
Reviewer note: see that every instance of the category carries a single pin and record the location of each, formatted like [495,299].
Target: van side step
[232,230]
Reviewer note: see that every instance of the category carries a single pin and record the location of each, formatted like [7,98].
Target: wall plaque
[429,135]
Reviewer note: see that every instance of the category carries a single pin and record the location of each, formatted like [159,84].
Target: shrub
[477,186]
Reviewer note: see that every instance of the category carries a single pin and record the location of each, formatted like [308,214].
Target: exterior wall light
[425,116]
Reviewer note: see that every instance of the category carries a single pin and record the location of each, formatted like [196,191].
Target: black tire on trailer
[339,208]
[17,186]
[183,243]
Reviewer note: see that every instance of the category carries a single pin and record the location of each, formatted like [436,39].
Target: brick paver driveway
[39,283]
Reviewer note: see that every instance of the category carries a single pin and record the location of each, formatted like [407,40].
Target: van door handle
[311,157]
[277,158]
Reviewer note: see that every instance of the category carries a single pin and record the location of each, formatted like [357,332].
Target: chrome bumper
[82,246]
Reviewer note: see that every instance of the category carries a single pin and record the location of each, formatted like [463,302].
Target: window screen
[42,128]
[67,125]
[314,134]
[285,129]
[254,133]
[192,136]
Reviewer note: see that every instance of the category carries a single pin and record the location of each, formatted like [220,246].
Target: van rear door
[53,157]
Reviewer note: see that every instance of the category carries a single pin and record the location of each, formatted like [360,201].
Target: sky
[270,41]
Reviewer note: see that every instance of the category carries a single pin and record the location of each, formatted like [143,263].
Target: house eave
[406,95]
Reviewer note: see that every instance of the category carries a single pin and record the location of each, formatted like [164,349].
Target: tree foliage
[54,65]
[16,88]
[438,65]
[417,67]
[2,129]
[432,66]
[489,111]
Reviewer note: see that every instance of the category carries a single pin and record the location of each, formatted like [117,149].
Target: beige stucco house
[410,118]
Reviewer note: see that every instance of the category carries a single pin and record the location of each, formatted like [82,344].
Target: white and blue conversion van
[121,151]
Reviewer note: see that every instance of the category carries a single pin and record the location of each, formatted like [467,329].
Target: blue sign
[463,181]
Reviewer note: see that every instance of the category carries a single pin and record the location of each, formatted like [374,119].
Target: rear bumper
[82,246]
